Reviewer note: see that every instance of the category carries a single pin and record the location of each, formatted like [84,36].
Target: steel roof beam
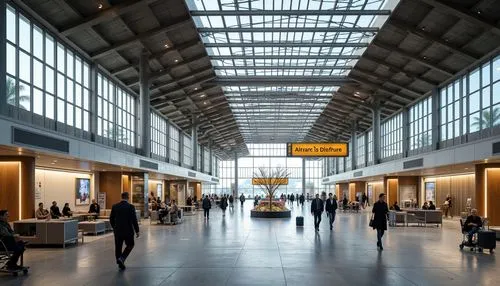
[290,30]
[279,80]
[285,45]
[428,36]
[278,67]
[106,15]
[140,37]
[397,69]
[470,16]
[289,12]
[415,58]
[388,81]
[285,57]
[378,87]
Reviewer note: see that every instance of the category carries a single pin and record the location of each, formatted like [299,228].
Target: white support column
[436,115]
[235,191]
[145,105]
[376,131]
[304,176]
[3,68]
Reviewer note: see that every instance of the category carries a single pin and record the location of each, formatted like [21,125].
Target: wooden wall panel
[377,189]
[337,191]
[460,188]
[352,192]
[493,195]
[111,184]
[9,188]
[10,173]
[392,191]
[344,190]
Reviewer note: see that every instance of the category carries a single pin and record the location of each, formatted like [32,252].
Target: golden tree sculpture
[270,180]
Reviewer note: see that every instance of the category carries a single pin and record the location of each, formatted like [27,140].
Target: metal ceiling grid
[423,44]
[114,34]
[280,61]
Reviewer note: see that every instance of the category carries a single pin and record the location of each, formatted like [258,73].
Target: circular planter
[280,214]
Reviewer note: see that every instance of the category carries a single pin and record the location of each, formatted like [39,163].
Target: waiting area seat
[415,216]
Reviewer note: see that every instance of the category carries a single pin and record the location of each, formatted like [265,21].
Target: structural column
[210,158]
[194,142]
[145,126]
[94,102]
[354,143]
[376,131]
[3,68]
[304,176]
[235,191]
[406,132]
[435,119]
[146,194]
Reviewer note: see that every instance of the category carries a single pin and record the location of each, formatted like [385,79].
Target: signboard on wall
[269,181]
[319,149]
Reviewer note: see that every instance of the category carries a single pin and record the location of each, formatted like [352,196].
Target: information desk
[47,232]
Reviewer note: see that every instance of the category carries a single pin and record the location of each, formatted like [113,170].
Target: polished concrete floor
[239,250]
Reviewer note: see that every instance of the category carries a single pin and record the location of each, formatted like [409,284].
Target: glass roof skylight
[280,39]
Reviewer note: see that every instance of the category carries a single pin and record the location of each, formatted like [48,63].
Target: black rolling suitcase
[486,239]
[299,221]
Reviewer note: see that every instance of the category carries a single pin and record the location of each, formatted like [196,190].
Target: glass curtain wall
[360,161]
[392,136]
[188,161]
[158,136]
[270,156]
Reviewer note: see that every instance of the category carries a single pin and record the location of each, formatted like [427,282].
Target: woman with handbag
[378,221]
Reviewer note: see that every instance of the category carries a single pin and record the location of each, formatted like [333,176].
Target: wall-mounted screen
[82,192]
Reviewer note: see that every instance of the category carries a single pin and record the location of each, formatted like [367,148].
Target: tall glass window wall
[348,159]
[159,136]
[370,147]
[360,161]
[420,120]
[174,143]
[206,160]
[43,76]
[188,160]
[247,166]
[392,136]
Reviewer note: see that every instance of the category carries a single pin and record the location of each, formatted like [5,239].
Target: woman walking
[380,212]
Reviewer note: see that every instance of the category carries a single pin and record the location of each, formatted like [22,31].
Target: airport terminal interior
[232,126]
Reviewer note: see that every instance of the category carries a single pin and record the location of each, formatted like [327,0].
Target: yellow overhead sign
[269,181]
[317,149]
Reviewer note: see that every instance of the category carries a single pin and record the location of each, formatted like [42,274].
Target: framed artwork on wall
[82,192]
[430,191]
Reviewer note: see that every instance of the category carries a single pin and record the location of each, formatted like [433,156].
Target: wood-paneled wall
[391,187]
[111,184]
[10,176]
[460,188]
[343,190]
[493,196]
[352,191]
[377,188]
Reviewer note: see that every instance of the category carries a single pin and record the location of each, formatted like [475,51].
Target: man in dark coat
[380,212]
[124,222]
[206,204]
[242,199]
[302,199]
[331,207]
[317,207]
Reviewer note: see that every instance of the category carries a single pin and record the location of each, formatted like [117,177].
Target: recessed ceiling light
[195,88]
[205,102]
[166,45]
[176,61]
[99,6]
[203,95]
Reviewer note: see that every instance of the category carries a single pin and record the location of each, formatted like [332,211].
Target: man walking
[316,210]
[331,207]
[242,199]
[206,204]
[124,222]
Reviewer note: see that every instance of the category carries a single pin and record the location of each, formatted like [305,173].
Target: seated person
[345,202]
[42,213]
[94,208]
[396,207]
[173,211]
[67,211]
[12,241]
[432,206]
[472,224]
[54,210]
[425,206]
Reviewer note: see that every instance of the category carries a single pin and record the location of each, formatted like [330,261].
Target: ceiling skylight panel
[225,4]
[231,21]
